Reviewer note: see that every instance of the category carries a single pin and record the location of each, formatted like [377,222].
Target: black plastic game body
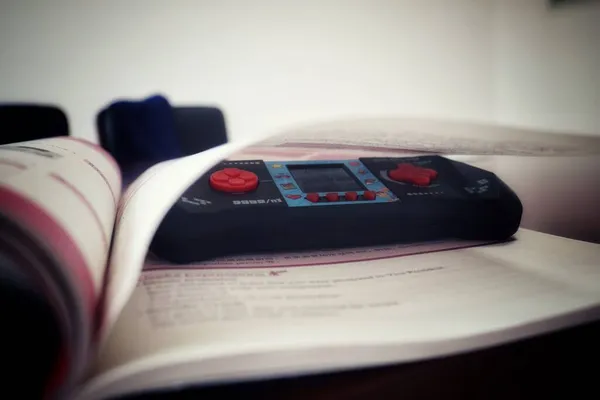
[255,206]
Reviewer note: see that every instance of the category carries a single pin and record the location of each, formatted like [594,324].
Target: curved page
[63,193]
[218,322]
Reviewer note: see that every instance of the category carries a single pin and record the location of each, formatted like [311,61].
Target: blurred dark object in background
[30,335]
[141,133]
[199,128]
[560,3]
[23,122]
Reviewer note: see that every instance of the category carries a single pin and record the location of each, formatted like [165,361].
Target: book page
[213,323]
[148,199]
[140,342]
[77,186]
[58,200]
[440,136]
[142,208]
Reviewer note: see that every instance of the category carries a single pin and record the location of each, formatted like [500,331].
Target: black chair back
[197,129]
[23,122]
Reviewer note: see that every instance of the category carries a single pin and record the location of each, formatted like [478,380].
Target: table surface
[560,364]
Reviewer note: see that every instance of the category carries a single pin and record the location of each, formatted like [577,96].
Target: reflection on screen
[325,178]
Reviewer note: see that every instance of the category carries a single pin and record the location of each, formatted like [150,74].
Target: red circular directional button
[220,176]
[332,197]
[313,197]
[237,182]
[432,173]
[233,172]
[409,173]
[247,175]
[233,180]
[369,195]
[420,180]
[351,196]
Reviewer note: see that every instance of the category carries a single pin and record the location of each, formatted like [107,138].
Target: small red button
[313,197]
[332,196]
[351,196]
[369,195]
[233,180]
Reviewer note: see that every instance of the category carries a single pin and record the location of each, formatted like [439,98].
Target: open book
[119,321]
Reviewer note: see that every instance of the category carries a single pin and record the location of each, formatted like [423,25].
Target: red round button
[332,196]
[351,196]
[369,195]
[313,197]
[233,180]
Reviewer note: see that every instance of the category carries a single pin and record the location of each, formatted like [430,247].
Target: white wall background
[272,64]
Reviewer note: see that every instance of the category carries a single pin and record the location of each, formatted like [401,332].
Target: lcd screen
[324,178]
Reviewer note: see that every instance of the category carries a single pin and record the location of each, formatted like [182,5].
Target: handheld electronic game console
[259,206]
